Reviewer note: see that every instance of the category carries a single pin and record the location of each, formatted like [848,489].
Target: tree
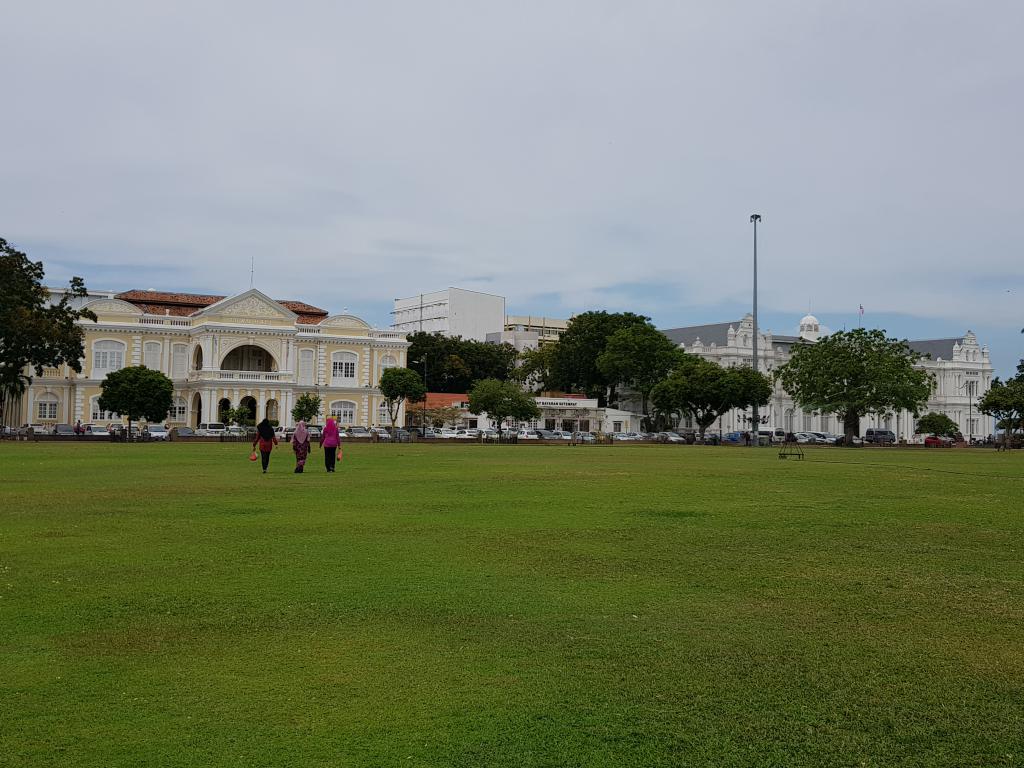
[306,408]
[454,364]
[534,369]
[241,415]
[502,400]
[398,385]
[854,373]
[438,416]
[34,333]
[1005,403]
[937,424]
[639,357]
[574,366]
[706,390]
[137,392]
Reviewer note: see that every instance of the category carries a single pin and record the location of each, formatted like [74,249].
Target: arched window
[344,411]
[807,421]
[99,415]
[306,357]
[383,417]
[343,369]
[151,352]
[107,356]
[179,358]
[46,406]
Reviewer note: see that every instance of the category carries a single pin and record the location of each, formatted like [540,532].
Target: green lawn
[168,605]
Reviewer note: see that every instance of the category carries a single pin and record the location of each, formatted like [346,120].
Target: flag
[861,310]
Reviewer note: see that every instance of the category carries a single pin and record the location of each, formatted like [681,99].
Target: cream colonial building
[962,370]
[224,352]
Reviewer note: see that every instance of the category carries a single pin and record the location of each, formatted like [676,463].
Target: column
[261,406]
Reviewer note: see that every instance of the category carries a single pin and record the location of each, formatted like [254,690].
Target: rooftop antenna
[252,269]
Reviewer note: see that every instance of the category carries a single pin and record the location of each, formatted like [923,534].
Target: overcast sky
[567,155]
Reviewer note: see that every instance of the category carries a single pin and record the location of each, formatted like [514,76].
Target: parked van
[880,437]
[211,429]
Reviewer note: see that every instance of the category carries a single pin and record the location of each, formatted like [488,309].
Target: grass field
[168,605]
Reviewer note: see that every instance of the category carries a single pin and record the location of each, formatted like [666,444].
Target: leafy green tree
[398,385]
[502,400]
[937,424]
[574,365]
[306,408]
[534,369]
[639,357]
[1004,401]
[453,364]
[854,373]
[706,390]
[242,415]
[34,333]
[137,392]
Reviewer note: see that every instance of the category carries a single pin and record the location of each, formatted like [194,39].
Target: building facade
[962,369]
[452,312]
[223,352]
[569,413]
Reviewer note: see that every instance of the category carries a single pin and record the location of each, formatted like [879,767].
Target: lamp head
[755,217]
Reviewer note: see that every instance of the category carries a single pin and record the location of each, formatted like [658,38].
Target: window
[344,411]
[807,421]
[177,412]
[46,407]
[179,358]
[107,356]
[306,366]
[343,367]
[388,361]
[99,415]
[151,352]
[383,417]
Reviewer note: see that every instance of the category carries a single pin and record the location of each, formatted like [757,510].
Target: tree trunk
[851,424]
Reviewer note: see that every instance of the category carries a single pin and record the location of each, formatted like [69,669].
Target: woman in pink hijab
[300,444]
[330,443]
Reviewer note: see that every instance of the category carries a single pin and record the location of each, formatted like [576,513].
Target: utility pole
[754,219]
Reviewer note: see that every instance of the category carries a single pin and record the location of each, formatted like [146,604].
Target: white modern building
[529,332]
[962,370]
[453,312]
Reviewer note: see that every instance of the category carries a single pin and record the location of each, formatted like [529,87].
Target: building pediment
[252,306]
[113,307]
[345,323]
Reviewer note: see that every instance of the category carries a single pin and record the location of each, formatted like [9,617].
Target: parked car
[805,437]
[448,433]
[584,437]
[315,430]
[880,437]
[97,429]
[358,433]
[548,434]
[528,434]
[736,438]
[235,431]
[184,432]
[157,431]
[622,437]
[841,440]
[467,434]
[211,428]
[827,438]
[380,433]
[938,441]
[670,437]
[64,430]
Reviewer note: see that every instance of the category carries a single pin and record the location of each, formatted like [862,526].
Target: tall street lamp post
[756,421]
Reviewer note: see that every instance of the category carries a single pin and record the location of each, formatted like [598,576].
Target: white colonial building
[224,352]
[962,370]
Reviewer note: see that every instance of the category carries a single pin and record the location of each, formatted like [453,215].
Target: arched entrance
[249,357]
[249,404]
[197,359]
[223,406]
[197,409]
[272,411]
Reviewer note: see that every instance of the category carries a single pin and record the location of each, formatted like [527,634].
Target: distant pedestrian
[265,442]
[331,444]
[79,429]
[300,444]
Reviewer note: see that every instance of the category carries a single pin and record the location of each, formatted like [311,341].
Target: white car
[562,434]
[156,432]
[467,434]
[97,429]
[211,429]
[447,434]
[528,434]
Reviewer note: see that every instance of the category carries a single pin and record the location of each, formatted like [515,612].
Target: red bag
[253,456]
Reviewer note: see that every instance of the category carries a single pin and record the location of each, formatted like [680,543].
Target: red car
[935,441]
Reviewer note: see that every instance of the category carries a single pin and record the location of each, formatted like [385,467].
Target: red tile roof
[185,304]
[445,399]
